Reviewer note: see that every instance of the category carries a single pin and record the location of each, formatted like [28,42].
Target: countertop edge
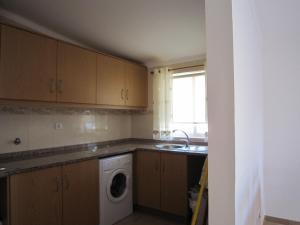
[85,155]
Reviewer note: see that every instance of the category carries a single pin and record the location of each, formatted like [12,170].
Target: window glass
[183,100]
[189,104]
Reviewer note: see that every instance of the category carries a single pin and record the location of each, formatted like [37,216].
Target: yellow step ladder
[203,185]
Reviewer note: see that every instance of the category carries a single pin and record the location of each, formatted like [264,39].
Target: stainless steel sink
[180,147]
[171,146]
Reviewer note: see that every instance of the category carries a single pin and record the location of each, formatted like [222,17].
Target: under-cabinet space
[195,166]
[4,201]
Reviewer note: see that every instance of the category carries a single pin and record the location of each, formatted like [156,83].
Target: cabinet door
[28,66]
[174,183]
[148,179]
[81,193]
[136,85]
[110,81]
[35,197]
[77,74]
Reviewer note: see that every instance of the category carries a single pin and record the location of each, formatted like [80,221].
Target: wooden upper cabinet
[34,67]
[110,81]
[174,183]
[136,85]
[147,171]
[28,65]
[76,74]
[121,83]
[35,197]
[81,193]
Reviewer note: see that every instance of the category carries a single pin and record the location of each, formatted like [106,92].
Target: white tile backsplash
[38,130]
[12,126]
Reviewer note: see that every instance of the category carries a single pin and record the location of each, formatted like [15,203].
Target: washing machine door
[117,185]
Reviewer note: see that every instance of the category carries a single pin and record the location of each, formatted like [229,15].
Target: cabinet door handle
[127,94]
[59,86]
[163,166]
[52,85]
[66,183]
[122,94]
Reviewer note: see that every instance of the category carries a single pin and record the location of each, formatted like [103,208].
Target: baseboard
[281,221]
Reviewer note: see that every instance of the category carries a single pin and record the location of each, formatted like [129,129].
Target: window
[179,102]
[189,104]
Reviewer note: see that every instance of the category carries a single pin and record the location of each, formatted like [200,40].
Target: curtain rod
[185,67]
[180,68]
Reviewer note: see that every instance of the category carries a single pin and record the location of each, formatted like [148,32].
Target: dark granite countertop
[19,165]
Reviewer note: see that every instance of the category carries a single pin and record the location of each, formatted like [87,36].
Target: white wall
[281,32]
[220,82]
[14,19]
[248,105]
[235,112]
[142,125]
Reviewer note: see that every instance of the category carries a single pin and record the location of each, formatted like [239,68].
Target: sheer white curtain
[162,103]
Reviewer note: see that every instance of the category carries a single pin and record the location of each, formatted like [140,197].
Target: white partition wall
[220,86]
[235,113]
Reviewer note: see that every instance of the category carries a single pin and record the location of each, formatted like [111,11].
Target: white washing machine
[115,188]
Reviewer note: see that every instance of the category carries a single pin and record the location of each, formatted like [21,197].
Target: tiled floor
[139,218]
[283,223]
[270,223]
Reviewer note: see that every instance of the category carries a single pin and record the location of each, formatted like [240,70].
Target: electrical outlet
[59,126]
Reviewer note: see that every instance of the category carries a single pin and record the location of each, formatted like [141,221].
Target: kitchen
[99,131]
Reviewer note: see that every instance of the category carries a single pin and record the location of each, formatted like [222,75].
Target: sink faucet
[187,141]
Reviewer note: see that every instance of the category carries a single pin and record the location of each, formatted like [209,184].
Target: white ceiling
[150,31]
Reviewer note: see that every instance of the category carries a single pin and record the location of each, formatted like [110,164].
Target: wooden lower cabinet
[66,195]
[80,193]
[174,183]
[161,181]
[35,197]
[148,179]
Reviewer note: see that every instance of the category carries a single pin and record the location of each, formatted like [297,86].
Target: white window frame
[201,137]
